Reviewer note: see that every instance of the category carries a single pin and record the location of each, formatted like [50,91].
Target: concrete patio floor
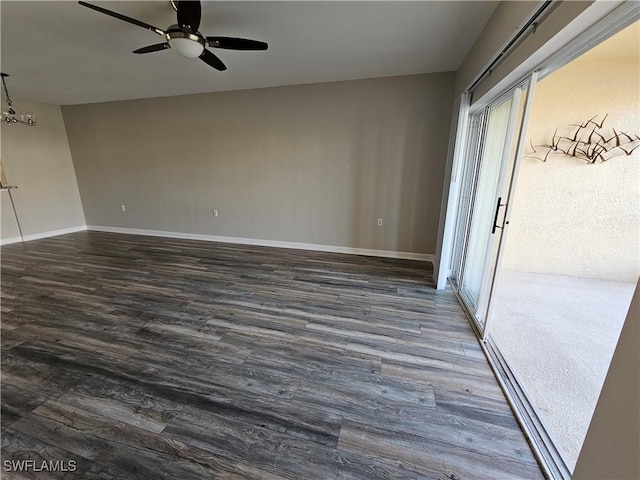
[558,335]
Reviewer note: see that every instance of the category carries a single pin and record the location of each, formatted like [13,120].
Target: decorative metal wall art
[590,141]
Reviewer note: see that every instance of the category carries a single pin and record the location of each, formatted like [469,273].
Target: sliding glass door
[492,142]
[548,310]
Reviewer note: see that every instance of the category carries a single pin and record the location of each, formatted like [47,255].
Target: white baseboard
[10,240]
[423,257]
[38,236]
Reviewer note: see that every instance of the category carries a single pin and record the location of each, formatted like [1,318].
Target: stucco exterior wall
[570,217]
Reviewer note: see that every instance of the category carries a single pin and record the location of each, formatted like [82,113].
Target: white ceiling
[62,53]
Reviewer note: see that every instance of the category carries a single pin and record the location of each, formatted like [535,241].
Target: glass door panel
[488,176]
[485,201]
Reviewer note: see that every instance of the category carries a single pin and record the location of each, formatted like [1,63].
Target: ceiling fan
[184,36]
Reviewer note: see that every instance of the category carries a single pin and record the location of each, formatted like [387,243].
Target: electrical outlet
[379,222]
[215,213]
[123,208]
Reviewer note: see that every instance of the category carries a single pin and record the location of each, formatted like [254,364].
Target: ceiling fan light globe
[186,47]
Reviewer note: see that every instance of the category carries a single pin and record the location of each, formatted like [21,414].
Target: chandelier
[10,115]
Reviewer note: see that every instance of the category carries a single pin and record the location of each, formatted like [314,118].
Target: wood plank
[18,446]
[120,446]
[247,472]
[272,450]
[16,403]
[435,458]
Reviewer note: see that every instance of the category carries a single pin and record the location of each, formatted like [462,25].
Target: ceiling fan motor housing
[186,43]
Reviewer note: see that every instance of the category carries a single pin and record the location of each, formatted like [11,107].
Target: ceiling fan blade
[213,61]
[189,14]
[123,17]
[153,48]
[231,43]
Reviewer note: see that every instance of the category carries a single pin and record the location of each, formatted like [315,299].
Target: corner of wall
[38,161]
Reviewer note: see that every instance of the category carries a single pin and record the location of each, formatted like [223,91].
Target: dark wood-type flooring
[154,358]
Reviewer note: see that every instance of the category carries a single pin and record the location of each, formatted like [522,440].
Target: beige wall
[9,230]
[311,164]
[37,160]
[610,449]
[570,217]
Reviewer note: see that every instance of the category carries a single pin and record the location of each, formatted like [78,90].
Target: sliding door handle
[495,217]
